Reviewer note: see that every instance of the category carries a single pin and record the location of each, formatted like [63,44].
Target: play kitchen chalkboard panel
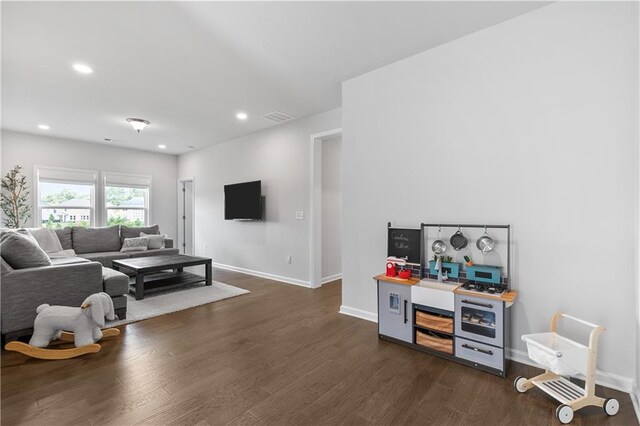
[404,243]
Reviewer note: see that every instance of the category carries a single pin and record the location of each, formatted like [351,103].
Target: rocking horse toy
[82,325]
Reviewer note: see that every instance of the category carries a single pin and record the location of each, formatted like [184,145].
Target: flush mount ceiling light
[241,116]
[43,127]
[138,123]
[82,68]
[162,146]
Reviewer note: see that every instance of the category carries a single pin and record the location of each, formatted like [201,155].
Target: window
[66,197]
[126,199]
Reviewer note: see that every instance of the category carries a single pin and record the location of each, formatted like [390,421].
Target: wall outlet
[206,246]
[299,215]
[288,259]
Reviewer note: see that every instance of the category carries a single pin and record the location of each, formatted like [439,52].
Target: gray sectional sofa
[69,280]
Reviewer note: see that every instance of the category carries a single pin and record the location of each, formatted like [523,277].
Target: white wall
[280,157]
[532,122]
[29,150]
[331,149]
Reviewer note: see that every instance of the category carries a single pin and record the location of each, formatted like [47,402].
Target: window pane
[116,196]
[127,217]
[64,194]
[61,217]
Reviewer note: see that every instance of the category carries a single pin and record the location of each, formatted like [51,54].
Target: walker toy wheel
[611,406]
[518,383]
[564,413]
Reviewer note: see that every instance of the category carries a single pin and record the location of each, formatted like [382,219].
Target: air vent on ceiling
[278,117]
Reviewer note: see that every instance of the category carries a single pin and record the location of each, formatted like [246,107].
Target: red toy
[391,269]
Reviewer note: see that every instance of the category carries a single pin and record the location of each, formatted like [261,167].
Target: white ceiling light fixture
[162,146]
[138,123]
[242,116]
[82,68]
[43,127]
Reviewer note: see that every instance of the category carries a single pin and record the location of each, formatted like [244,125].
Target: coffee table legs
[139,286]
[207,274]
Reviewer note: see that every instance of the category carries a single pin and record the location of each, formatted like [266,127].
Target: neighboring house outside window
[65,197]
[127,199]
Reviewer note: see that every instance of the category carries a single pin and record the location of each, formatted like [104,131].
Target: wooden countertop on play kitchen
[396,280]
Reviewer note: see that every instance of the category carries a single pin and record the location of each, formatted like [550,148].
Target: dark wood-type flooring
[280,355]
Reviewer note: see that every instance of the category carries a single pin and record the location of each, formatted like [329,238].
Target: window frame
[126,180]
[91,179]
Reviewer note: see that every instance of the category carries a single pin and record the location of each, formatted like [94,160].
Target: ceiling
[189,67]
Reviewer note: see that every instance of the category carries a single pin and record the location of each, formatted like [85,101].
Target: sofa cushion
[47,239]
[127,232]
[115,283]
[134,244]
[21,251]
[64,235]
[156,252]
[68,260]
[5,266]
[94,240]
[106,257]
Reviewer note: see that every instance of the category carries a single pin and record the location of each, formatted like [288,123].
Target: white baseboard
[635,399]
[359,313]
[604,378]
[274,277]
[332,278]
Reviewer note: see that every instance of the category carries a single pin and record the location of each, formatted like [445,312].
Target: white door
[186,210]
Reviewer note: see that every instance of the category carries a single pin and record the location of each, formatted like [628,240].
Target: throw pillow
[134,244]
[134,232]
[47,239]
[5,266]
[22,252]
[155,241]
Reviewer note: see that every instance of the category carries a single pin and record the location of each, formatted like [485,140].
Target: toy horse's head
[99,305]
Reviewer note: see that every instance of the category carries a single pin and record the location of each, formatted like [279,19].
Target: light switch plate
[299,215]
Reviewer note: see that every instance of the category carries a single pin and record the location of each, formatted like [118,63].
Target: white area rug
[177,299]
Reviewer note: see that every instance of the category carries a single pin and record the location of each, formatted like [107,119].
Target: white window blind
[127,181]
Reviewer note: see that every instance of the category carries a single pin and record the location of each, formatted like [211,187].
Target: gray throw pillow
[134,244]
[22,252]
[127,232]
[155,241]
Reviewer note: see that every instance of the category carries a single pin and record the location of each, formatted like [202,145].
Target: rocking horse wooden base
[44,353]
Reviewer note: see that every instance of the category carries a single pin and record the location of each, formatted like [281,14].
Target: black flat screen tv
[243,201]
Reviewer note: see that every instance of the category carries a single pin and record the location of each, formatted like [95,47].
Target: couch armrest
[23,290]
[168,243]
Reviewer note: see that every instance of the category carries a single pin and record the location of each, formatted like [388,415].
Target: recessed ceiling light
[43,127]
[241,116]
[82,68]
[162,146]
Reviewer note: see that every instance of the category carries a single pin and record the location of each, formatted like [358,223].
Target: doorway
[186,203]
[326,207]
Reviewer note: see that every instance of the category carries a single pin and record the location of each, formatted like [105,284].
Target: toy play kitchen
[449,306]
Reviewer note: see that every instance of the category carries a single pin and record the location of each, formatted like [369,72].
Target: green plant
[14,200]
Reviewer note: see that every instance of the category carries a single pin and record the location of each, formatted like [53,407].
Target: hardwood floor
[280,355]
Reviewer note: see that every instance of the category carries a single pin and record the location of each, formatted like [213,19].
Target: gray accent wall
[29,150]
[280,157]
[532,122]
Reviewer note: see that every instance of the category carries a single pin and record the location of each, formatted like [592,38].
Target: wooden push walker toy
[563,357]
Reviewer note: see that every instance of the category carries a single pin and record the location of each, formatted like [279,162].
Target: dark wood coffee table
[151,272]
